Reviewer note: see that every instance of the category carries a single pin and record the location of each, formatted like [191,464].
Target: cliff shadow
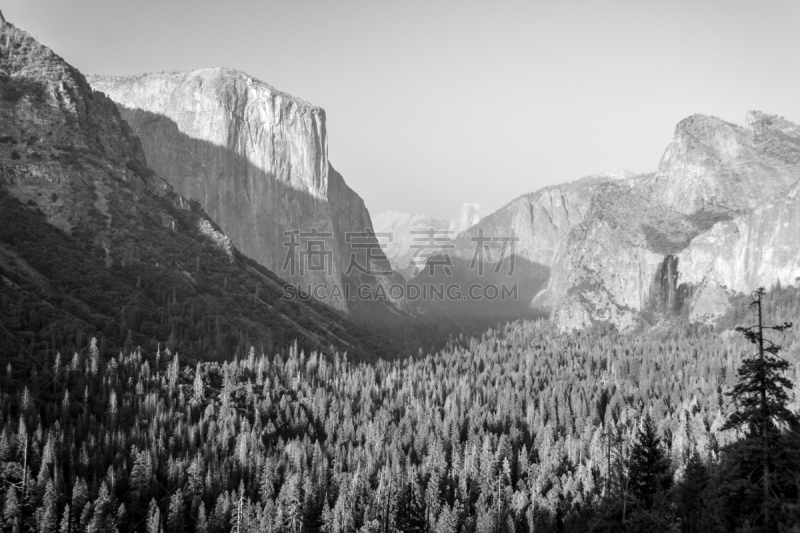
[299,236]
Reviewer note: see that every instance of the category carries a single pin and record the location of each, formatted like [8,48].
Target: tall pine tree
[760,408]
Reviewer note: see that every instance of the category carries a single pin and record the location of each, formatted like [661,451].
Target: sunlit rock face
[614,248]
[67,156]
[719,216]
[257,160]
[758,248]
[712,164]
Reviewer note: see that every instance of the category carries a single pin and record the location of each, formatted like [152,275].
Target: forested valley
[522,429]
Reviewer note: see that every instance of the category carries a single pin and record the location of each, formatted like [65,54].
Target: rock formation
[712,164]
[759,247]
[94,242]
[256,159]
[719,215]
[470,215]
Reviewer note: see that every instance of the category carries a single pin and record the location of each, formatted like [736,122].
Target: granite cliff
[93,242]
[257,161]
[714,165]
[719,215]
[758,248]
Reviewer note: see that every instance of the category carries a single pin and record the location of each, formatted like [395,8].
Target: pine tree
[80,496]
[327,517]
[198,387]
[290,501]
[410,509]
[202,519]
[691,495]
[649,465]
[66,519]
[153,518]
[175,513]
[48,522]
[760,399]
[267,485]
[141,477]
[103,518]
[12,514]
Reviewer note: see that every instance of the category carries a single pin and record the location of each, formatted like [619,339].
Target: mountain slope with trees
[93,242]
[521,430]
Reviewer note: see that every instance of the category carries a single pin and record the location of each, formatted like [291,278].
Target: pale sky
[432,103]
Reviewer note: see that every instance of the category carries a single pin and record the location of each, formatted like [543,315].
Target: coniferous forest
[519,430]
[155,379]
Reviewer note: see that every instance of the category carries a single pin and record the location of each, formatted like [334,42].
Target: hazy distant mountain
[719,215]
[400,232]
[257,161]
[410,242]
[470,215]
[94,242]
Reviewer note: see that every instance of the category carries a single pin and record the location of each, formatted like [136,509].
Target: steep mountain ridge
[257,161]
[94,242]
[629,250]
[758,248]
[712,164]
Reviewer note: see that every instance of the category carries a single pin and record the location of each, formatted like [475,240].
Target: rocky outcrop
[758,248]
[611,248]
[256,159]
[94,242]
[718,216]
[714,165]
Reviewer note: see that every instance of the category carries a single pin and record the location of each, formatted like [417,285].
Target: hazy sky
[433,103]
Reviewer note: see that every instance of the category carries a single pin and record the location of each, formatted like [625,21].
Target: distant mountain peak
[471,214]
[714,164]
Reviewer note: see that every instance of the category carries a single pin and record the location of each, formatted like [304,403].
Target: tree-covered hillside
[520,430]
[93,242]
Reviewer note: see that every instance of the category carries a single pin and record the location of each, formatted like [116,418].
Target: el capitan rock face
[257,161]
[93,242]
